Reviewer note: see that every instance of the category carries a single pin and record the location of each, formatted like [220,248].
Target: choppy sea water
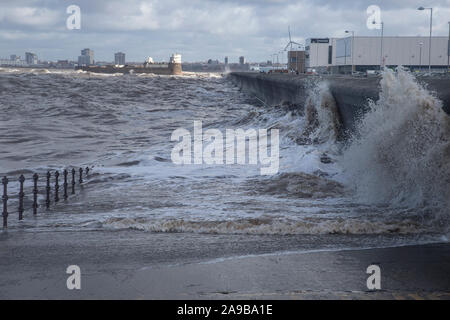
[378,189]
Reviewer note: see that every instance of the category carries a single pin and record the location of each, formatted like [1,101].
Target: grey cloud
[199,29]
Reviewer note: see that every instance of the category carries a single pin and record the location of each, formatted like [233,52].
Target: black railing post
[65,184]
[35,193]
[81,175]
[5,202]
[87,171]
[47,201]
[73,180]
[56,186]
[21,195]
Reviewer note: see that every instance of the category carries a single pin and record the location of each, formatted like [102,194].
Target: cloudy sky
[198,29]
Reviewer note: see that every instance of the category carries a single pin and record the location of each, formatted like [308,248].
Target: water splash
[401,150]
[322,120]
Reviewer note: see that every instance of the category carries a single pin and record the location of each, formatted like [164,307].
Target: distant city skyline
[87,57]
[199,29]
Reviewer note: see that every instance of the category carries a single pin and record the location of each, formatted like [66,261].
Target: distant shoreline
[35,67]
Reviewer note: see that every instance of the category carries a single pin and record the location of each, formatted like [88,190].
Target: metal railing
[35,191]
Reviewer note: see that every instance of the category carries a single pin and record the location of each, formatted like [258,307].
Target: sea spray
[400,152]
[321,115]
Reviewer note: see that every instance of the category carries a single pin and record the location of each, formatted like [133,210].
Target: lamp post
[353,44]
[345,52]
[420,56]
[448,49]
[382,35]
[431,32]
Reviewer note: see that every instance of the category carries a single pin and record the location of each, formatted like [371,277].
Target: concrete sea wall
[350,93]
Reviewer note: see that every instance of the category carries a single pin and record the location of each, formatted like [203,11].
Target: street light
[282,59]
[276,54]
[273,59]
[431,31]
[345,53]
[382,34]
[353,44]
[420,60]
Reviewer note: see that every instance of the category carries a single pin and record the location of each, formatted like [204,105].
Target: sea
[387,185]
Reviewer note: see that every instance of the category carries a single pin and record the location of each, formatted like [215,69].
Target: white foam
[401,153]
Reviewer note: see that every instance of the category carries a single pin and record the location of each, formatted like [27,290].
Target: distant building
[372,53]
[86,58]
[241,60]
[296,61]
[14,61]
[411,52]
[88,52]
[31,58]
[320,53]
[226,60]
[175,58]
[64,64]
[119,58]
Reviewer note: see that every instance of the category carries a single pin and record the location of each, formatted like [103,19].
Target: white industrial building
[319,53]
[371,53]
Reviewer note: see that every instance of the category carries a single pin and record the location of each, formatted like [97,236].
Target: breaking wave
[321,113]
[400,153]
[270,226]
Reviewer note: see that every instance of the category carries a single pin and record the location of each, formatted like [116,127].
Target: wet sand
[136,265]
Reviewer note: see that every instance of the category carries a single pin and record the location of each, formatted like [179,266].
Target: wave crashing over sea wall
[400,152]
